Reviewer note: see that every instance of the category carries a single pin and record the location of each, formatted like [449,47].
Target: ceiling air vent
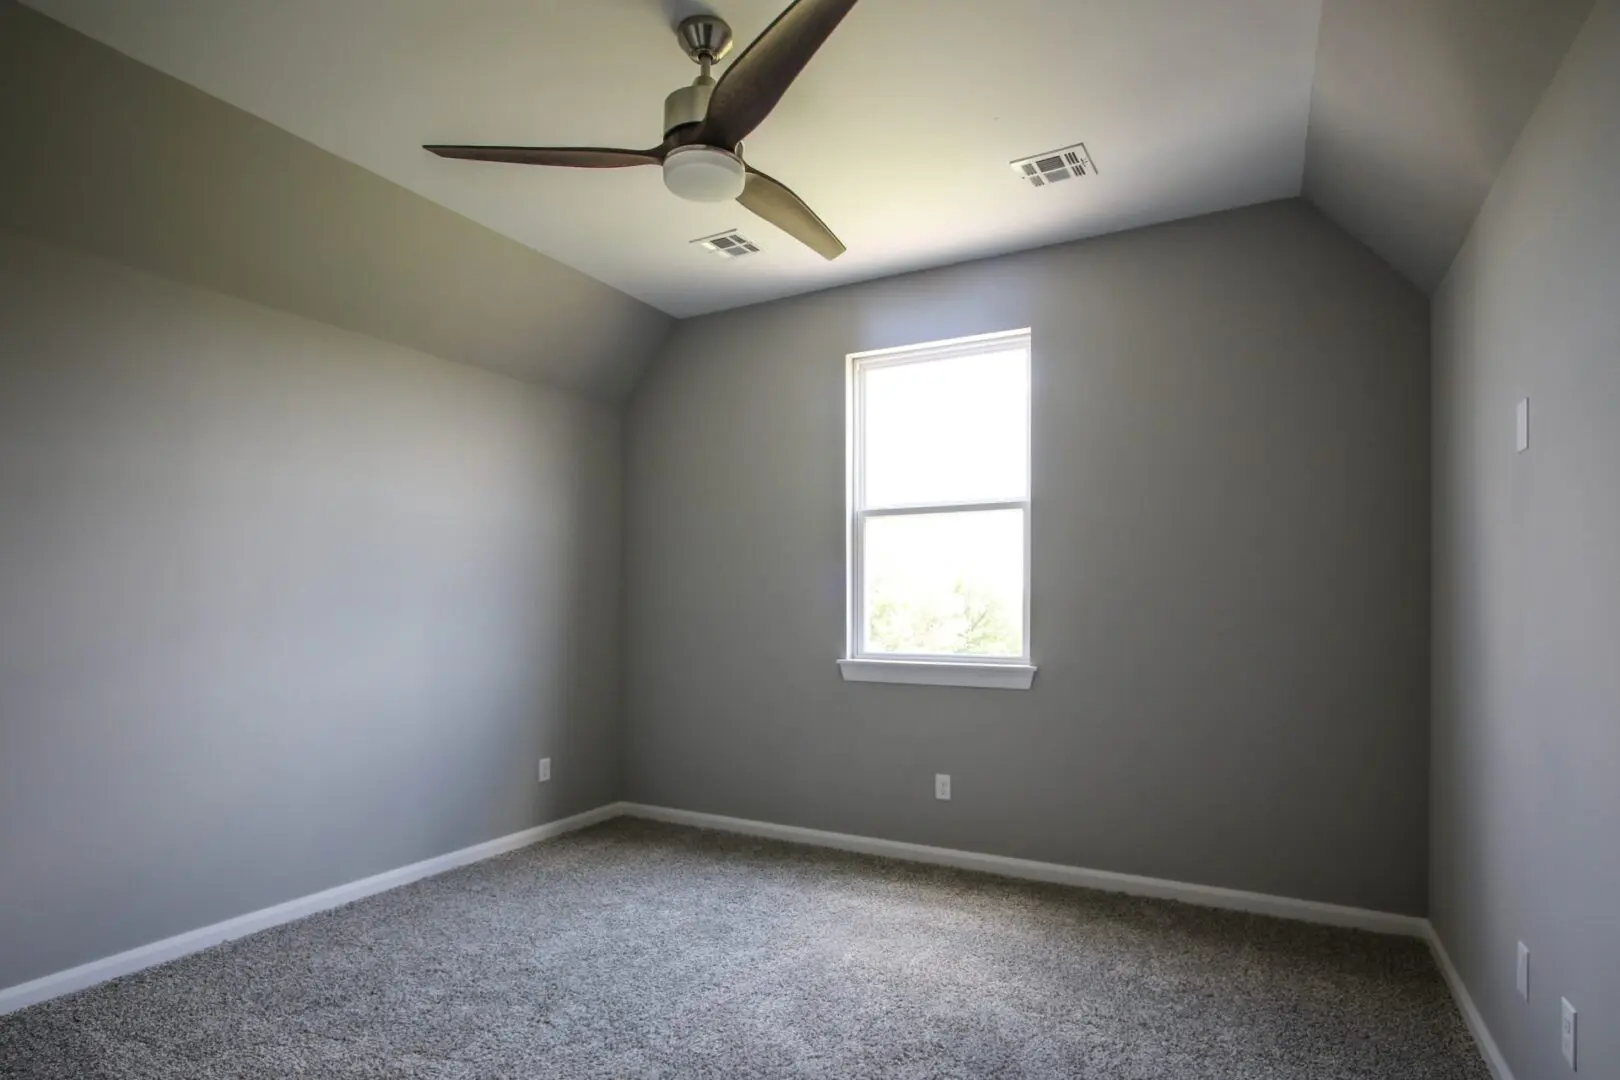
[1069,163]
[728,245]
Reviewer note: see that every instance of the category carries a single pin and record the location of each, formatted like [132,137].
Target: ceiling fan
[705,123]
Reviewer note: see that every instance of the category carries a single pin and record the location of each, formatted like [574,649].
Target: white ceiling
[898,134]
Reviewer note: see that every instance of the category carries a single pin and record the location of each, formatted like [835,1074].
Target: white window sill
[939,673]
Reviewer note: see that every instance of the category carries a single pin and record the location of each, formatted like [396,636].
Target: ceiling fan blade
[779,206]
[756,80]
[574,157]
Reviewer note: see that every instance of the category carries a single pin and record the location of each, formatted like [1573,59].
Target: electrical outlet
[1567,1033]
[942,786]
[545,769]
[1522,978]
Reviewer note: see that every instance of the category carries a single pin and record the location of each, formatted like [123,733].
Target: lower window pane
[945,584]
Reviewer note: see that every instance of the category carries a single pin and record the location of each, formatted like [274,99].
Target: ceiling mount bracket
[704,38]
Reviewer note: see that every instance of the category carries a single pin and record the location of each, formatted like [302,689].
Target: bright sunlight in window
[939,502]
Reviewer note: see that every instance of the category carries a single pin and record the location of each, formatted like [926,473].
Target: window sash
[857,649]
[859,511]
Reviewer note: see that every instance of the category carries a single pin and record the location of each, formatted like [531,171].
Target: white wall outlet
[942,786]
[1567,1033]
[1522,978]
[1524,424]
[545,769]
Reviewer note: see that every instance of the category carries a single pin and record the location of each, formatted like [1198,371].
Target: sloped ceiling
[276,156]
[1416,106]
[899,133]
[111,157]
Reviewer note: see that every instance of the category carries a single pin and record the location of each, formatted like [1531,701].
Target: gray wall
[106,155]
[1526,810]
[1416,105]
[281,606]
[1230,565]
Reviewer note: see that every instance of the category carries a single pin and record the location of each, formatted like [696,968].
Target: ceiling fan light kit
[705,123]
[704,174]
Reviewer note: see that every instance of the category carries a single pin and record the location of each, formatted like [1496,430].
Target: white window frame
[990,672]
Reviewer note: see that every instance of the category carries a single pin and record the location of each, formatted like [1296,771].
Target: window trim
[994,672]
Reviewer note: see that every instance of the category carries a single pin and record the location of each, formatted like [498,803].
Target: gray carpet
[643,950]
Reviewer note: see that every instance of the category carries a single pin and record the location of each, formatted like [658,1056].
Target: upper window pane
[947,430]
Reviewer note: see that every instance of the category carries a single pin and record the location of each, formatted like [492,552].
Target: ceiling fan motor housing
[688,105]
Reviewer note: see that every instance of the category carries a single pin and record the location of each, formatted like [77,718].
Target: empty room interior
[822,539]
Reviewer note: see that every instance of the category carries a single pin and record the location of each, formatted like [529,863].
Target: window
[939,464]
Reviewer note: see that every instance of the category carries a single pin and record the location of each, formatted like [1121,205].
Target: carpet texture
[642,950]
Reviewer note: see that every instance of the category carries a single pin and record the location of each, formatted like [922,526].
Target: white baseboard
[161,952]
[1465,1004]
[1312,911]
